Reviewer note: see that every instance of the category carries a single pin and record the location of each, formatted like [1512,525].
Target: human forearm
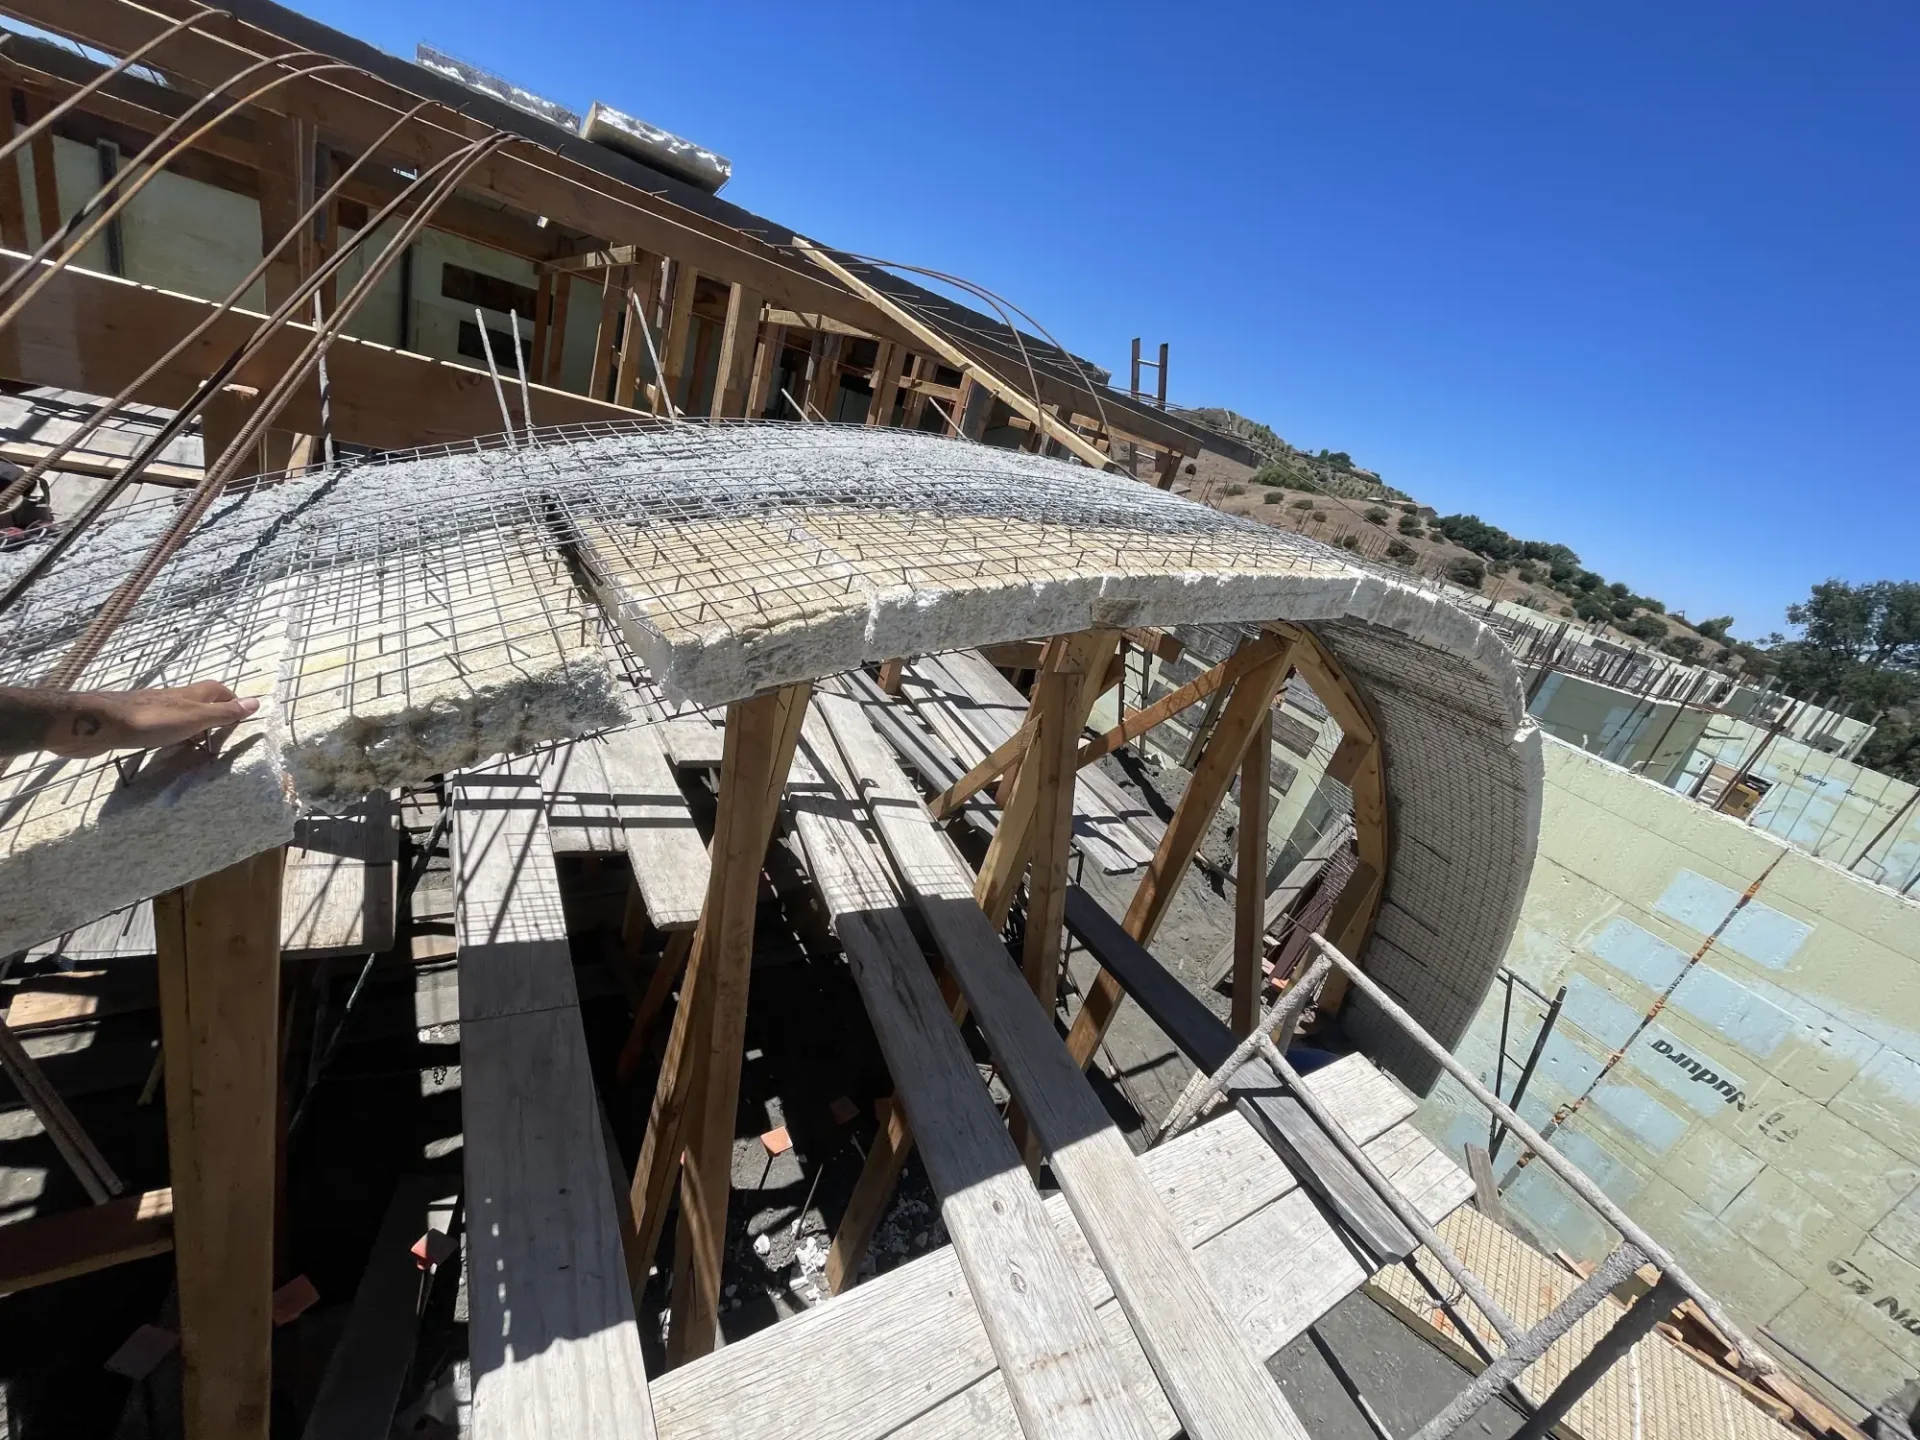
[79,724]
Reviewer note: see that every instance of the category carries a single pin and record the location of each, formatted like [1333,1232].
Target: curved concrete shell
[402,618]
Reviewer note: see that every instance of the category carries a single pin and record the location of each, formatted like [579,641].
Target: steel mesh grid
[407,574]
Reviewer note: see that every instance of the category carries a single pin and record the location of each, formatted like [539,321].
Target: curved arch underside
[401,618]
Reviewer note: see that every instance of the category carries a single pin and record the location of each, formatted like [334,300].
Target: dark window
[489,292]
[502,343]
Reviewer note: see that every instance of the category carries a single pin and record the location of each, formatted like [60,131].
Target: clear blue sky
[1640,278]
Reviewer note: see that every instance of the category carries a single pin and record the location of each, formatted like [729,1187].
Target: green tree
[1716,628]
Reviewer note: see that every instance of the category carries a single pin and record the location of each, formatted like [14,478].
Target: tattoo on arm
[85,726]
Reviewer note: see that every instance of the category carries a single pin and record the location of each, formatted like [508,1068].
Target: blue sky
[1637,278]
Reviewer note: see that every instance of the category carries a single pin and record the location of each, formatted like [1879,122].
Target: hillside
[1330,498]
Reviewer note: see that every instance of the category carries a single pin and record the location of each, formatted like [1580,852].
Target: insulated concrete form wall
[1766,1124]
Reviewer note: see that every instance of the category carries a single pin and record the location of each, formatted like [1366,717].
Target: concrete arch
[402,618]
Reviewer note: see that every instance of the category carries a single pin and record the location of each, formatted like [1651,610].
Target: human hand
[88,723]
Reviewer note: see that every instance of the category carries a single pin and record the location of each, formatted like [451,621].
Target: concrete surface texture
[1765,1123]
[403,618]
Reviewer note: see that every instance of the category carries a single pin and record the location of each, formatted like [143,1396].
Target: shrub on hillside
[1410,525]
[1685,647]
[1401,551]
[1233,487]
[1302,505]
[1278,497]
[1376,515]
[1320,515]
[1348,542]
[1467,572]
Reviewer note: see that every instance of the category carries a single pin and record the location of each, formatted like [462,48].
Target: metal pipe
[520,366]
[1752,1356]
[653,355]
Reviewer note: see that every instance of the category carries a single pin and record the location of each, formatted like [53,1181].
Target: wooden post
[1051,759]
[13,205]
[1007,853]
[218,943]
[737,343]
[626,375]
[542,322]
[923,370]
[286,147]
[673,352]
[773,345]
[46,184]
[886,383]
[824,383]
[613,292]
[1249,703]
[557,330]
[760,738]
[1250,878]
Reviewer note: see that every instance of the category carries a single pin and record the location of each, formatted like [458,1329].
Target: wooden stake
[1250,877]
[1248,704]
[13,205]
[773,345]
[218,943]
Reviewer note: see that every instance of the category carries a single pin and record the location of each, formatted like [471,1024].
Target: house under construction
[671,633]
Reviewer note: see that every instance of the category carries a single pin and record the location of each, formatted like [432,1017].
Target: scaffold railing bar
[1753,1360]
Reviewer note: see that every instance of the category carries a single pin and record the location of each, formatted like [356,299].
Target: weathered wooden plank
[340,886]
[368,1366]
[554,1346]
[219,968]
[663,844]
[1050,1348]
[1254,1090]
[78,1242]
[581,819]
[906,1353]
[692,744]
[1215,1386]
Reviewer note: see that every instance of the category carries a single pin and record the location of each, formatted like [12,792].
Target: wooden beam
[554,1347]
[1131,727]
[890,672]
[732,380]
[1055,717]
[867,1205]
[96,333]
[1250,877]
[218,943]
[48,1248]
[1252,694]
[1006,754]
[94,462]
[285,176]
[953,355]
[542,325]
